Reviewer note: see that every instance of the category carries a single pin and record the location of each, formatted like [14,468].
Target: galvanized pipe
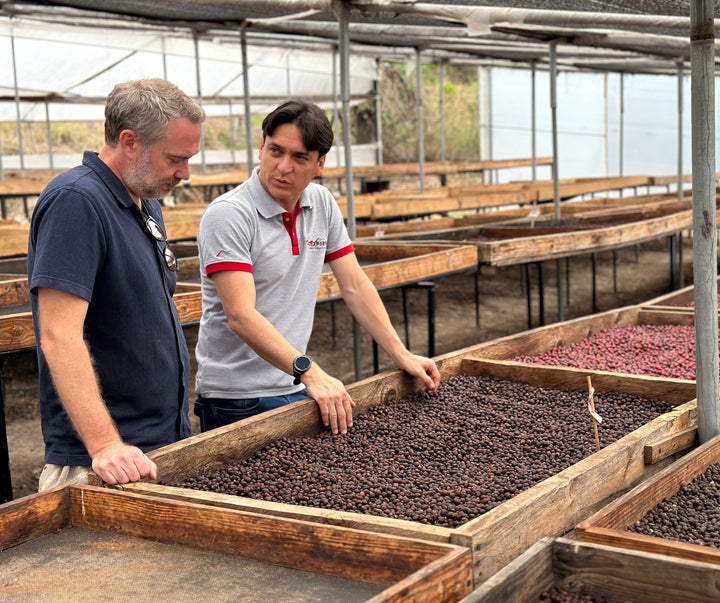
[553,110]
[250,156]
[17,103]
[680,133]
[199,94]
[421,125]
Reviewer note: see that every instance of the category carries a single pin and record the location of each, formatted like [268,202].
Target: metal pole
[621,160]
[232,131]
[288,83]
[556,182]
[702,40]
[17,103]
[553,109]
[342,12]
[164,57]
[378,114]
[421,125]
[489,130]
[442,111]
[680,131]
[49,135]
[336,113]
[606,154]
[199,93]
[533,122]
[246,101]
[480,120]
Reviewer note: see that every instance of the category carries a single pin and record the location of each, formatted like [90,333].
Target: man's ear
[320,165]
[128,142]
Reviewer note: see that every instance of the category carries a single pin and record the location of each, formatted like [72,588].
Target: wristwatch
[301,365]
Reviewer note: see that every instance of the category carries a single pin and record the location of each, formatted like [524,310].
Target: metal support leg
[525,278]
[681,261]
[567,280]
[6,493]
[615,258]
[671,247]
[333,324]
[541,292]
[431,318]
[560,290]
[477,298]
[594,282]
[430,287]
[405,318]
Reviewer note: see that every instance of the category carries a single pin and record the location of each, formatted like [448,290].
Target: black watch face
[302,363]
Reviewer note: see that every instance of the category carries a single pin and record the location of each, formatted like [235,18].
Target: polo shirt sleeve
[224,238]
[69,244]
[339,243]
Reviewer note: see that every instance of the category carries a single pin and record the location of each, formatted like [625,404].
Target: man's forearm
[77,386]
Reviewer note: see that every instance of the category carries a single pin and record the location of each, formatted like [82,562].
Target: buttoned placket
[290,221]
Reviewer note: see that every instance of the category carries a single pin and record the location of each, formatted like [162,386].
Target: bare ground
[641,273]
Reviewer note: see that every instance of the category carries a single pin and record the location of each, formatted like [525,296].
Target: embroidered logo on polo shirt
[221,252]
[317,244]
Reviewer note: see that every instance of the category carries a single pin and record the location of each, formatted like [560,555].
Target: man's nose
[285,164]
[183,171]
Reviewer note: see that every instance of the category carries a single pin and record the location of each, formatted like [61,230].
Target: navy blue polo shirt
[88,238]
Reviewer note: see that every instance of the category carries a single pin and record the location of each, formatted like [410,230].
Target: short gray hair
[146,107]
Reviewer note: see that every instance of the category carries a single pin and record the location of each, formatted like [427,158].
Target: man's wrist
[301,365]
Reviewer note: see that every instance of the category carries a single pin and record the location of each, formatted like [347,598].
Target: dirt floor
[641,273]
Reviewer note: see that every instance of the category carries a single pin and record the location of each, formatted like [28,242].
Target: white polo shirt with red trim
[245,229]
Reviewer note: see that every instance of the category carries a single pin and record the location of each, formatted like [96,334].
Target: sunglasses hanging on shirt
[154,228]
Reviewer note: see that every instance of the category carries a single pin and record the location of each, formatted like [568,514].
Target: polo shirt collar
[266,206]
[92,161]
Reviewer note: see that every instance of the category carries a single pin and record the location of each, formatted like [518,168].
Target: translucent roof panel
[67,65]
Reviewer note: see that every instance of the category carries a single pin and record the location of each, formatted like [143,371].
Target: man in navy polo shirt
[113,361]
[262,249]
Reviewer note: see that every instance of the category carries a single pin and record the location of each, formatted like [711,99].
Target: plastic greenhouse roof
[70,54]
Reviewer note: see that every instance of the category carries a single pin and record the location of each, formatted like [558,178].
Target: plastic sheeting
[79,65]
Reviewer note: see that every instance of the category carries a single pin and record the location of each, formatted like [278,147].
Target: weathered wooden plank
[229,178]
[432,167]
[16,332]
[393,209]
[378,229]
[443,260]
[14,244]
[289,543]
[523,580]
[14,292]
[409,567]
[182,230]
[604,206]
[545,247]
[661,450]
[607,526]
[674,391]
[599,571]
[33,516]
[633,576]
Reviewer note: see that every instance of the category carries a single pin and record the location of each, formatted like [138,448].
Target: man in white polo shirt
[262,248]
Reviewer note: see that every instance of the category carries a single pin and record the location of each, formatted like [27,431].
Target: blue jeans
[216,412]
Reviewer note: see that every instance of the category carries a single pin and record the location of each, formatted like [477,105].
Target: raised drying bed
[548,508]
[85,543]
